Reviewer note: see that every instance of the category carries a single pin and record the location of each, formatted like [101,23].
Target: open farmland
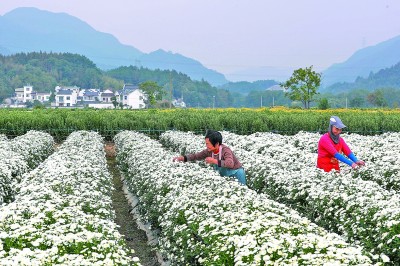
[61,210]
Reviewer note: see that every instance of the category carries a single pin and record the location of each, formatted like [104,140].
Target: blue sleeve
[341,158]
[353,157]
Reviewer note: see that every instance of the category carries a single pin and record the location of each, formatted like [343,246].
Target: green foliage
[244,87]
[114,102]
[195,93]
[61,122]
[44,71]
[323,104]
[384,78]
[376,98]
[303,85]
[152,91]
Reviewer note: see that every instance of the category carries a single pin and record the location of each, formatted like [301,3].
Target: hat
[336,122]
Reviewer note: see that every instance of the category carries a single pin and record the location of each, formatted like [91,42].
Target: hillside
[161,59]
[363,62]
[44,71]
[384,78]
[60,33]
[244,87]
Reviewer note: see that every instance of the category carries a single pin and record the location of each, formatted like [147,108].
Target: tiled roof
[64,92]
[107,94]
[128,89]
[91,93]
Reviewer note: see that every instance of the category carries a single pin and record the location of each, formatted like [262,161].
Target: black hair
[214,137]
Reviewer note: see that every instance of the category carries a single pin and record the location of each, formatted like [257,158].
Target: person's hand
[354,166]
[211,160]
[178,159]
[360,163]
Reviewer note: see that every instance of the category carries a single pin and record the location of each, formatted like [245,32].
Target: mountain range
[28,29]
[364,62]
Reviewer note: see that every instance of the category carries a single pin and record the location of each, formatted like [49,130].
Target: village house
[41,96]
[106,96]
[89,95]
[66,96]
[131,97]
[23,95]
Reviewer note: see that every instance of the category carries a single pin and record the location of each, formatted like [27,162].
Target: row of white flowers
[18,156]
[284,168]
[205,220]
[63,214]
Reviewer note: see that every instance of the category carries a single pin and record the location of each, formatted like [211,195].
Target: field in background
[61,122]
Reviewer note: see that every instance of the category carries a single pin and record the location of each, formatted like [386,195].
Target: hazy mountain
[30,29]
[384,78]
[363,62]
[245,87]
[168,61]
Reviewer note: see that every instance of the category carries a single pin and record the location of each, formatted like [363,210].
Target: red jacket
[327,150]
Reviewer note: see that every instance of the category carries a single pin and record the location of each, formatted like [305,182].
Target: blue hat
[336,122]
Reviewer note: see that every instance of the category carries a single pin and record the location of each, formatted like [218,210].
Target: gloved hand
[360,163]
[354,166]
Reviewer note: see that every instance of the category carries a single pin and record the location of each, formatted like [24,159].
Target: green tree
[152,91]
[323,104]
[357,102]
[377,98]
[303,85]
[114,101]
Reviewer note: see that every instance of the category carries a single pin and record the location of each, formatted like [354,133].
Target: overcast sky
[231,35]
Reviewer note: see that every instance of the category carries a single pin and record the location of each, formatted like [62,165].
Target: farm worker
[332,146]
[219,156]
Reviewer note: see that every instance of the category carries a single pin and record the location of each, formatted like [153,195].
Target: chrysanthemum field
[56,206]
[61,211]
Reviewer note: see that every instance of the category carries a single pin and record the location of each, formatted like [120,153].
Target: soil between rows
[136,238]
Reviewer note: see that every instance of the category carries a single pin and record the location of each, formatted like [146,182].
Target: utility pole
[261,101]
[170,87]
[273,101]
[213,101]
[346,102]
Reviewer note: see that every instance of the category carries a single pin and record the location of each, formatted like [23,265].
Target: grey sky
[231,35]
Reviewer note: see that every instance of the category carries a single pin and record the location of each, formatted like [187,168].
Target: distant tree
[303,85]
[357,102]
[376,98]
[323,104]
[152,90]
[38,105]
[114,101]
[52,97]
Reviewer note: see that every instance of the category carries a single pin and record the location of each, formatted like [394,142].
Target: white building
[106,96]
[179,103]
[41,96]
[89,95]
[66,96]
[23,95]
[131,97]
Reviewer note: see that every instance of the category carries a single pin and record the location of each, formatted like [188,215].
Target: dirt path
[136,239]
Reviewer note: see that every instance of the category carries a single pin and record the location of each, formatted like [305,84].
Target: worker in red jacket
[219,156]
[332,148]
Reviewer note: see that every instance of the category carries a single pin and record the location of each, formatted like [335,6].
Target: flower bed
[204,220]
[62,213]
[18,156]
[283,167]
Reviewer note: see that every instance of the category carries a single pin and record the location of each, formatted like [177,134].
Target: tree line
[44,71]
